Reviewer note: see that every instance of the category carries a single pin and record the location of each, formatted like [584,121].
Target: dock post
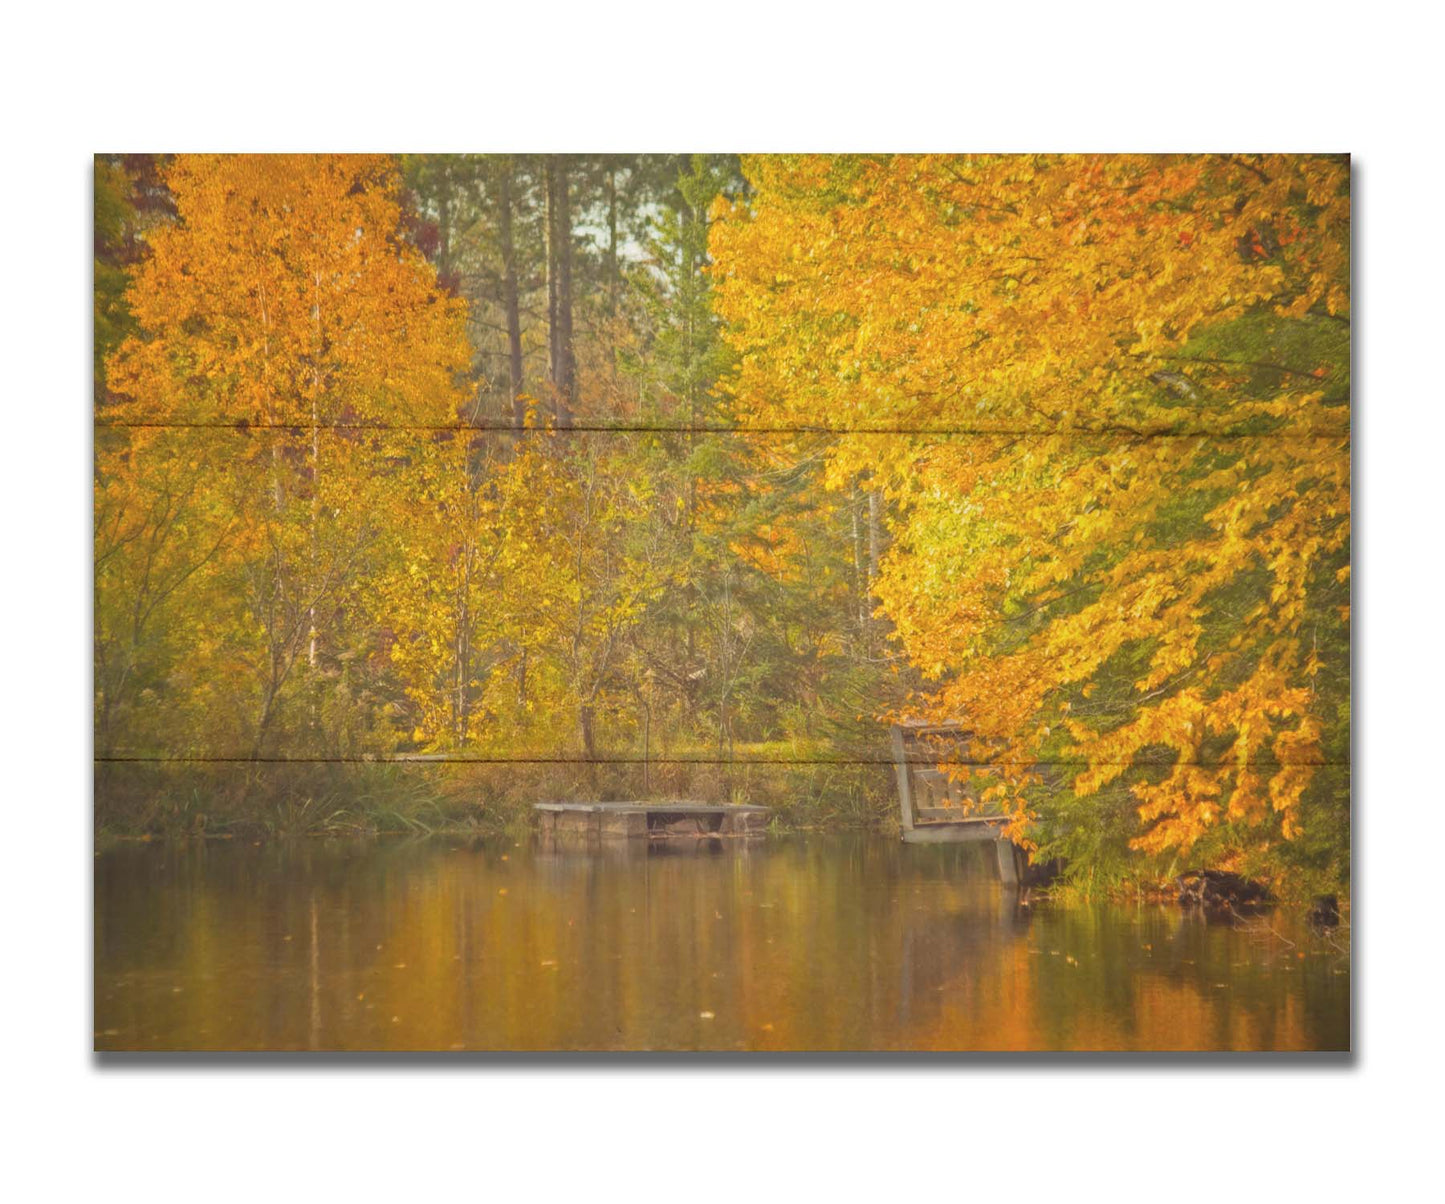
[1008,869]
[905,783]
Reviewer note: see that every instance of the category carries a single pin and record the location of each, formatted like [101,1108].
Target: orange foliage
[1123,387]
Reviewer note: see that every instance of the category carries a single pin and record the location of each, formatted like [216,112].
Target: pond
[836,942]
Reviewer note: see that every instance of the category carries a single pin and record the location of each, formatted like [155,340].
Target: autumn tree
[459,628]
[130,199]
[1122,477]
[762,643]
[291,341]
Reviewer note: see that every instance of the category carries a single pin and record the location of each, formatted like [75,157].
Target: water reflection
[808,943]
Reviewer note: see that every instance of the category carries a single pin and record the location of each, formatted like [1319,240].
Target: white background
[719,76]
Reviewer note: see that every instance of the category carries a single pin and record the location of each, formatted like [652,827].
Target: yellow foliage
[1082,490]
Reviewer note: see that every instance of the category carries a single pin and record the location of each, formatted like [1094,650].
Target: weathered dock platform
[650,819]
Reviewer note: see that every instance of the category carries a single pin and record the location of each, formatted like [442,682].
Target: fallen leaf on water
[396,1019]
[503,891]
[550,962]
[705,1015]
[400,966]
[767,1028]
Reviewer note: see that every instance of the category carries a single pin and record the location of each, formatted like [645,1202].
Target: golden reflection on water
[820,943]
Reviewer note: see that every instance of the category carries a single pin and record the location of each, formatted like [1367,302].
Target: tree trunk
[875,534]
[559,290]
[860,573]
[444,235]
[550,229]
[613,276]
[585,732]
[315,453]
[509,297]
[463,650]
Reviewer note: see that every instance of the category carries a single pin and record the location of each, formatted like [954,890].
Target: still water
[806,943]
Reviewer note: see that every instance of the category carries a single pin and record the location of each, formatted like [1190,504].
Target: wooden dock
[934,806]
[650,819]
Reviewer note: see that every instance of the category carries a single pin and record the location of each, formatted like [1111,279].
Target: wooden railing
[939,791]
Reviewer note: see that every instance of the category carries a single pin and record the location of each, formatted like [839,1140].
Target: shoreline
[1061,891]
